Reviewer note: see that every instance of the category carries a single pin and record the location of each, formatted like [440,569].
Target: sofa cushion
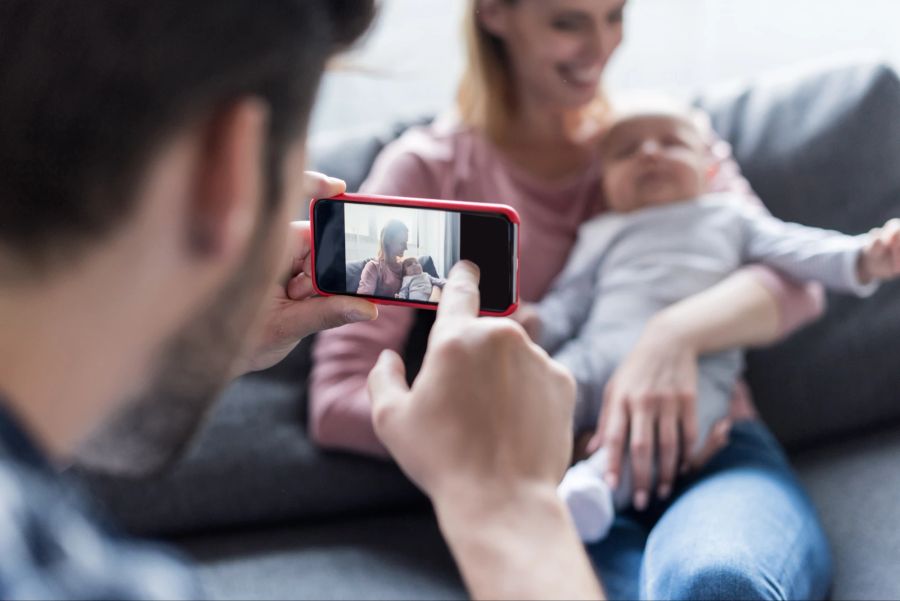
[822,147]
[350,156]
[855,486]
[387,557]
[253,464]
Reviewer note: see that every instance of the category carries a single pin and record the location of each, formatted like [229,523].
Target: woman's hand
[650,405]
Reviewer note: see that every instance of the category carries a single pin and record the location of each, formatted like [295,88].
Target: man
[151,154]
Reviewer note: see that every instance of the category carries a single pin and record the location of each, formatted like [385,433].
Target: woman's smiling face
[558,49]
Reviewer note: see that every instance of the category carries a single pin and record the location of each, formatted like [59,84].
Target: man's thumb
[323,313]
[387,385]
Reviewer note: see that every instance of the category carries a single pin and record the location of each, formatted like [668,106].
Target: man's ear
[492,16]
[228,193]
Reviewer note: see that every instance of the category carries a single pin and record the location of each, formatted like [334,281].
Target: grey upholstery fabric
[387,557]
[350,157]
[856,487]
[823,148]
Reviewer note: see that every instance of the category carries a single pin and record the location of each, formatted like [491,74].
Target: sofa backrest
[821,146]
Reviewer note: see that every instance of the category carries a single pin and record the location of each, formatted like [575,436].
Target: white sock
[589,499]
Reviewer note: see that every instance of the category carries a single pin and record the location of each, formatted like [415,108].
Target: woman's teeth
[583,76]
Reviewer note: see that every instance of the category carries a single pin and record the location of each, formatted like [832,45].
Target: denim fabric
[743,528]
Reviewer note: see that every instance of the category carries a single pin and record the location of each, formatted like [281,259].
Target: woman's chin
[578,95]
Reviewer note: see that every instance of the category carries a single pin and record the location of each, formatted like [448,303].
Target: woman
[383,275]
[529,113]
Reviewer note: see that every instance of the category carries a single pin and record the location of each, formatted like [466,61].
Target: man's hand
[528,317]
[486,432]
[880,259]
[489,408]
[292,312]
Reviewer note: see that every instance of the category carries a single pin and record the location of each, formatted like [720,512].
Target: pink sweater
[452,162]
[378,279]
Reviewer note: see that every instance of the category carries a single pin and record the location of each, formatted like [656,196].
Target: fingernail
[664,492]
[357,315]
[471,266]
[611,480]
[335,180]
[640,500]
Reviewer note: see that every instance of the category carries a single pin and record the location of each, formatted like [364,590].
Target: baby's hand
[527,317]
[880,259]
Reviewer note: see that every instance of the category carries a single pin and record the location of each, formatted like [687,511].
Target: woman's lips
[582,76]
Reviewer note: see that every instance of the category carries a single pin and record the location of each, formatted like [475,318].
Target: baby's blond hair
[408,262]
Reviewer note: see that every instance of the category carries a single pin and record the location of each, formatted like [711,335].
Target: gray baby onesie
[418,287]
[626,267]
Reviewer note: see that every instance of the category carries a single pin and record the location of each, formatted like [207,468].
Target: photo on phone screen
[404,254]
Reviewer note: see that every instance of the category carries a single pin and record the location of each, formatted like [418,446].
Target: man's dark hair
[89,90]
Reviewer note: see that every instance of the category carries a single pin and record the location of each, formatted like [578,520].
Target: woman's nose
[593,48]
[599,44]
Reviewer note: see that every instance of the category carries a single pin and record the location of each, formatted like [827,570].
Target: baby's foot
[589,499]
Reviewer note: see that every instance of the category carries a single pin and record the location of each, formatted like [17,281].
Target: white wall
[427,232]
[415,55]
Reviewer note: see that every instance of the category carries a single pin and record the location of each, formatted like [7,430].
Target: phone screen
[404,254]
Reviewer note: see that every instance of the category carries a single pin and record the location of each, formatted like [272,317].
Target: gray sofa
[267,515]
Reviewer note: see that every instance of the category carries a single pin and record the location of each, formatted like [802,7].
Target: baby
[417,285]
[666,239]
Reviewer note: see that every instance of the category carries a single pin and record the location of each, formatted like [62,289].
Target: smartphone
[399,251]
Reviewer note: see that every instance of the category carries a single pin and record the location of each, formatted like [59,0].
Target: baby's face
[413,268]
[653,160]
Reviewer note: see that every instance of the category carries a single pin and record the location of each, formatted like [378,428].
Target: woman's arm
[747,309]
[368,279]
[340,410]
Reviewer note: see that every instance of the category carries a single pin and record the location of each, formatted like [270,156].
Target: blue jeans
[742,528]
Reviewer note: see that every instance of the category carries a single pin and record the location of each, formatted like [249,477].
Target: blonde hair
[486,98]
[409,262]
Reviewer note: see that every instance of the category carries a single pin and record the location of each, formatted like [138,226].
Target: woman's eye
[565,25]
[616,17]
[570,22]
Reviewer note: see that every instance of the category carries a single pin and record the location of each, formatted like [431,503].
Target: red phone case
[471,207]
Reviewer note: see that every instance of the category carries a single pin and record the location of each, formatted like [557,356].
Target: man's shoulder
[54,546]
